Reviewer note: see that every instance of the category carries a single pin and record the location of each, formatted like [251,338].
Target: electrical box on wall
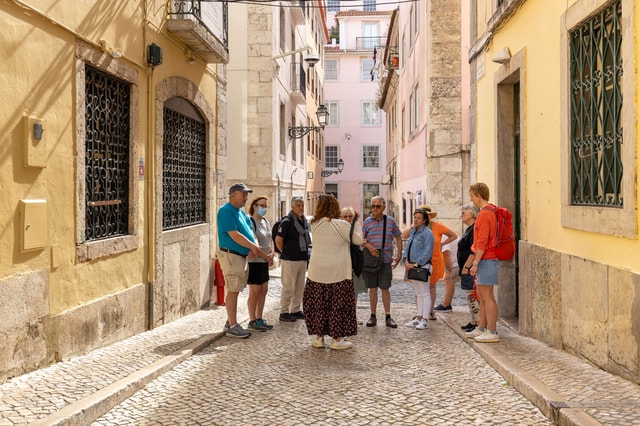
[35,145]
[33,224]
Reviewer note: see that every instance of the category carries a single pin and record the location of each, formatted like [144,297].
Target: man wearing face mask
[259,268]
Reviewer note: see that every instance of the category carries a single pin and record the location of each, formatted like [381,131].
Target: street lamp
[340,166]
[322,114]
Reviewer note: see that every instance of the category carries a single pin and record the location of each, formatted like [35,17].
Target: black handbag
[374,264]
[357,257]
[418,273]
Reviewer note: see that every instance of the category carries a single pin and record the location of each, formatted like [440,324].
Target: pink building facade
[356,133]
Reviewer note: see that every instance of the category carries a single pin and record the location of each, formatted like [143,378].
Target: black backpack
[274,232]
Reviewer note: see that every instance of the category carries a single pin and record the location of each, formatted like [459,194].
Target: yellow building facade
[113,138]
[555,124]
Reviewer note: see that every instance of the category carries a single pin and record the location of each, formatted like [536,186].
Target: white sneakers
[340,345]
[484,336]
[475,333]
[423,325]
[317,342]
[487,337]
[413,323]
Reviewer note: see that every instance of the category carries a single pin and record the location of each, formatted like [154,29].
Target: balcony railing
[202,26]
[368,43]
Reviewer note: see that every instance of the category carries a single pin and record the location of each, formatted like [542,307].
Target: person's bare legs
[231,305]
[488,307]
[373,300]
[386,301]
[449,290]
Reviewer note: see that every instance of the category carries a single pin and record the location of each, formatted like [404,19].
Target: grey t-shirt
[262,231]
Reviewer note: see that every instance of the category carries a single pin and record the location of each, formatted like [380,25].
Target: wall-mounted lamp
[154,55]
[322,114]
[502,56]
[114,52]
[348,136]
[340,167]
[38,130]
[188,54]
[309,175]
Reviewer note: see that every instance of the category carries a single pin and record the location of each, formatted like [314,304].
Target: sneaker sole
[492,340]
[340,348]
[237,336]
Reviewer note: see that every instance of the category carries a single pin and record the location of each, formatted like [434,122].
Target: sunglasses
[376,206]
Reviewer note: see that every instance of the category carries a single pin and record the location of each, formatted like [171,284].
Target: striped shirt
[372,232]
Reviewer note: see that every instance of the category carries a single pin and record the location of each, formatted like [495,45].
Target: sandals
[432,316]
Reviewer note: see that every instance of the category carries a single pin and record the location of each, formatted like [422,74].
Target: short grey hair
[381,198]
[470,207]
[297,198]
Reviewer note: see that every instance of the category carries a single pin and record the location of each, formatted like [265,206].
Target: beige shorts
[453,275]
[235,271]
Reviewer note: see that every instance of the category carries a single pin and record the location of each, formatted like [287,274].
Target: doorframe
[510,174]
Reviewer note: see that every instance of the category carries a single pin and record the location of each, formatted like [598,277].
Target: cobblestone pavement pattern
[391,376]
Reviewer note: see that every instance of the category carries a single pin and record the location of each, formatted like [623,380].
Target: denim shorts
[487,273]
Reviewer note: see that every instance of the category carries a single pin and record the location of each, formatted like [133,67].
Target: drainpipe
[149,186]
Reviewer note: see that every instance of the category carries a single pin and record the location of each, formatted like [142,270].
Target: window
[107,145]
[283,40]
[371,156]
[370,114]
[184,155]
[284,130]
[595,72]
[369,190]
[368,72]
[333,5]
[599,175]
[331,69]
[370,34]
[369,5]
[106,153]
[414,110]
[331,188]
[334,113]
[402,121]
[331,156]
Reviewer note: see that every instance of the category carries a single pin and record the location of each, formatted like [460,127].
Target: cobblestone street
[391,376]
[187,373]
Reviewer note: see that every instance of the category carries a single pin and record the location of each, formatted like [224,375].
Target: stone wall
[30,338]
[586,308]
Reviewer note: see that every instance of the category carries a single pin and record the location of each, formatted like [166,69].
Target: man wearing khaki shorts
[236,239]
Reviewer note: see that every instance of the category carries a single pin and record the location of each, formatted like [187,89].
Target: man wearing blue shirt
[236,241]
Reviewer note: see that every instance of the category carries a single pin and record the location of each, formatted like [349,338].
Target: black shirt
[291,238]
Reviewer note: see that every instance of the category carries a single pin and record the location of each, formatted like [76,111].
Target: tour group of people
[322,289]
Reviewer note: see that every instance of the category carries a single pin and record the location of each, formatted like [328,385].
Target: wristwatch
[416,264]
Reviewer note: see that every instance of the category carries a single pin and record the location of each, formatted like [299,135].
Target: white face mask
[262,211]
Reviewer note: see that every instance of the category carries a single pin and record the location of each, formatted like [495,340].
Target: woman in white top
[328,296]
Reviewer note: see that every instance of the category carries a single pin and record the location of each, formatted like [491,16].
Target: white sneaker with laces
[475,333]
[487,337]
[413,323]
[317,342]
[423,325]
[341,344]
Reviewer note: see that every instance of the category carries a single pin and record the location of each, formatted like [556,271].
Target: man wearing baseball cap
[236,241]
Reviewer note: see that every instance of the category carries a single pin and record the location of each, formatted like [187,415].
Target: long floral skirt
[329,309]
